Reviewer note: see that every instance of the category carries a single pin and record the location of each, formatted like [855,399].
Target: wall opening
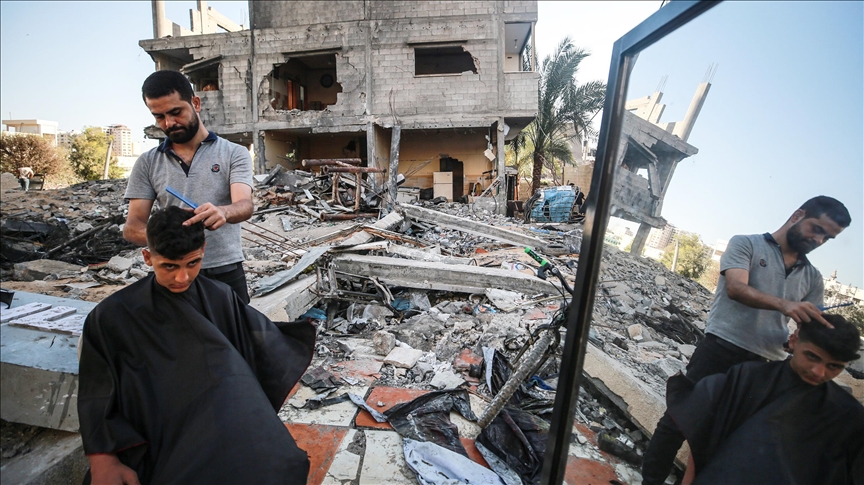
[518,47]
[443,60]
[305,83]
[203,73]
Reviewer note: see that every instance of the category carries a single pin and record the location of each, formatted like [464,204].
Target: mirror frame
[624,52]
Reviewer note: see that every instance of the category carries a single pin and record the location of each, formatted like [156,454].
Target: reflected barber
[205,168]
[765,279]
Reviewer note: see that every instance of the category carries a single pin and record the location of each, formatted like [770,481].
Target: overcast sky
[782,122]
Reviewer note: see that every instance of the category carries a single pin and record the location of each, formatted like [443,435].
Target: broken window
[519,47]
[304,82]
[203,74]
[443,60]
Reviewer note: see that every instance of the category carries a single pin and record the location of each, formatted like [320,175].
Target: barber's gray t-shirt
[762,332]
[217,164]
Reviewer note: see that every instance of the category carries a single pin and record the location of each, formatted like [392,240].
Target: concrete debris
[408,301]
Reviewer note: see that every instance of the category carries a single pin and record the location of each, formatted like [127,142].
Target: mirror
[728,124]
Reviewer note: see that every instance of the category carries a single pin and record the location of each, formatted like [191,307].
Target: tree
[21,150]
[693,256]
[853,313]
[560,102]
[88,155]
[711,276]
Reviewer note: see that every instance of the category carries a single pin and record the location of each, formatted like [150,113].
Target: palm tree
[560,101]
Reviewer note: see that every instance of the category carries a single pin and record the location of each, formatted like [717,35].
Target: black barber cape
[184,388]
[760,423]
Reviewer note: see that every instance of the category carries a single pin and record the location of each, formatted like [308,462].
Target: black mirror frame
[665,21]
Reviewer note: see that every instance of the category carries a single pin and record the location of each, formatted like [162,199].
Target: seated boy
[776,422]
[181,380]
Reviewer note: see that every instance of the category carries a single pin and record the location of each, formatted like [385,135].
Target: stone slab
[384,460]
[346,465]
[403,357]
[55,457]
[39,370]
[9,314]
[41,268]
[71,325]
[341,414]
[49,315]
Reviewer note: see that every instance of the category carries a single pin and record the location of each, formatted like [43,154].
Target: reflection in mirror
[731,123]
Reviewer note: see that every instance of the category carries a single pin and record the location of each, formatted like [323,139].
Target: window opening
[304,83]
[443,60]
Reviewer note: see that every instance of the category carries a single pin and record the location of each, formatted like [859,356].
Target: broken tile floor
[346,445]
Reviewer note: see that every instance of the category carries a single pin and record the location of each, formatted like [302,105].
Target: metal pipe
[330,161]
[281,237]
[345,217]
[332,169]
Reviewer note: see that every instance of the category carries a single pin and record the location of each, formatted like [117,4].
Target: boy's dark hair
[169,238]
[823,204]
[163,83]
[842,342]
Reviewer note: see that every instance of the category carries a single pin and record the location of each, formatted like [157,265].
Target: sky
[782,121]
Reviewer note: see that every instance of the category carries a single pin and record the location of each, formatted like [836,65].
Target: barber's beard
[797,242]
[185,134]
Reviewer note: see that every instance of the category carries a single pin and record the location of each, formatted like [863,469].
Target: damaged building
[650,152]
[457,78]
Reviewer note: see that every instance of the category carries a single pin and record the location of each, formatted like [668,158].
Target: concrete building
[64,138]
[660,238]
[310,82]
[718,249]
[45,129]
[122,140]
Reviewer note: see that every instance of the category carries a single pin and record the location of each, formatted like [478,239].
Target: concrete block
[686,350]
[668,367]
[446,379]
[635,331]
[403,357]
[119,265]
[384,342]
[41,268]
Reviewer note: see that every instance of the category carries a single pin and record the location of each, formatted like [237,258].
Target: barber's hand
[107,470]
[213,216]
[803,311]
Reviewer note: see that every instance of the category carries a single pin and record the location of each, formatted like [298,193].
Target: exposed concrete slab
[472,227]
[39,378]
[41,268]
[55,457]
[403,357]
[288,303]
[9,314]
[39,369]
[390,222]
[384,460]
[421,255]
[639,402]
[440,276]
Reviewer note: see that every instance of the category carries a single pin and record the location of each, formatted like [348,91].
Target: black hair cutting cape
[761,424]
[184,388]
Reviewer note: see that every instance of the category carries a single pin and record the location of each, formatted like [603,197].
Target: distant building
[836,292]
[64,138]
[718,249]
[43,128]
[660,238]
[122,140]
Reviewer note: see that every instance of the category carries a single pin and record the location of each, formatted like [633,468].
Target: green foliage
[693,256]
[853,314]
[88,155]
[711,276]
[560,103]
[20,150]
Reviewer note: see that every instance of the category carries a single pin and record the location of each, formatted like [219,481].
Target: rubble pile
[431,297]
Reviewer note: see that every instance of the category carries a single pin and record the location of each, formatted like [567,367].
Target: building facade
[307,82]
[122,140]
[46,129]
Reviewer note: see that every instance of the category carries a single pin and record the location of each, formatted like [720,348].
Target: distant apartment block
[660,238]
[64,138]
[122,140]
[45,129]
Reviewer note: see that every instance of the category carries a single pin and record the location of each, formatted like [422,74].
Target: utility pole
[108,159]
[675,257]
